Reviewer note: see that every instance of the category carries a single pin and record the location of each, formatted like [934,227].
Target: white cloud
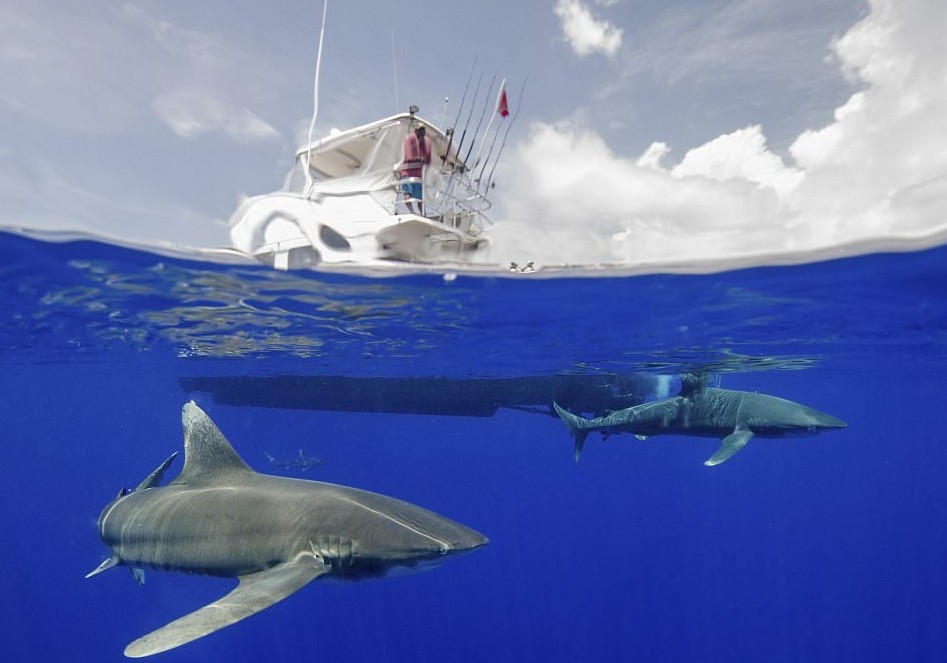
[585,33]
[877,175]
[202,74]
[882,164]
[571,200]
[653,156]
[741,154]
[191,113]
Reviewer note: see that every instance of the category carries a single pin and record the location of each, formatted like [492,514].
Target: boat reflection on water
[472,397]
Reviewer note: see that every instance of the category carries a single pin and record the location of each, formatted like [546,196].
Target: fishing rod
[473,102]
[454,165]
[453,128]
[483,114]
[506,135]
[496,134]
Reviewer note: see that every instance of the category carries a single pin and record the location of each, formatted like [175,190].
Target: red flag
[502,107]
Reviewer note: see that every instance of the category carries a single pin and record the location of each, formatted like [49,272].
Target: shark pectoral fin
[104,566]
[255,592]
[731,444]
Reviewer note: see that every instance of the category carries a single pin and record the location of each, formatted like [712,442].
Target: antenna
[394,70]
[315,94]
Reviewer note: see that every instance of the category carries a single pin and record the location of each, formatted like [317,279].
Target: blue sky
[649,133]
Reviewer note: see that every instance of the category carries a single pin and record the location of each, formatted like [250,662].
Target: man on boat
[417,155]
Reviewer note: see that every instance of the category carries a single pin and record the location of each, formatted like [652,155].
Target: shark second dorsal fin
[208,455]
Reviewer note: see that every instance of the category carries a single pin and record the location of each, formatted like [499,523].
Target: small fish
[300,463]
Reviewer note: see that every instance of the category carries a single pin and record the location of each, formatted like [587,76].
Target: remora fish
[735,416]
[274,534]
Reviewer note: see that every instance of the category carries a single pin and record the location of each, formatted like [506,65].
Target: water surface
[826,548]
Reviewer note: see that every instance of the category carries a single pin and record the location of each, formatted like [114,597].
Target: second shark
[735,416]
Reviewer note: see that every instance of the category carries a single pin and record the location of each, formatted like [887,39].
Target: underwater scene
[760,477]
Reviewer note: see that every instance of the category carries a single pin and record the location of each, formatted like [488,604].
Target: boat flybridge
[342,204]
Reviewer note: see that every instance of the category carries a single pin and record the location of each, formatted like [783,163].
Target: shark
[273,534]
[734,416]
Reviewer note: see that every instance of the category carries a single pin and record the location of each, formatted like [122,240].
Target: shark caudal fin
[577,426]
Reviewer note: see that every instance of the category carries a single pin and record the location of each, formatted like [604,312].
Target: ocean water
[822,548]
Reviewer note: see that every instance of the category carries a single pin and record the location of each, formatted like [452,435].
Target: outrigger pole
[315,95]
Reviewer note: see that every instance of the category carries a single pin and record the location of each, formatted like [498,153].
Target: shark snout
[457,538]
[823,420]
[471,540]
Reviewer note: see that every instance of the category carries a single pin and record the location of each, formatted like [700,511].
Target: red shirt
[417,154]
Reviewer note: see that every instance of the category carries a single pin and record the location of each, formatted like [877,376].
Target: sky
[651,136]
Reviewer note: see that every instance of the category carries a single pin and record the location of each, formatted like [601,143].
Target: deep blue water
[825,548]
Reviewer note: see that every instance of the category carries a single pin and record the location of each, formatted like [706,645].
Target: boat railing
[450,197]
[452,200]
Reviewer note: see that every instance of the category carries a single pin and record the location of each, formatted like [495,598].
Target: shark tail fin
[577,428]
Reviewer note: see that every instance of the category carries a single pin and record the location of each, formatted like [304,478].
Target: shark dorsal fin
[208,456]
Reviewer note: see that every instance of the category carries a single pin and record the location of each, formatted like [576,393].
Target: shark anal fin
[255,592]
[731,444]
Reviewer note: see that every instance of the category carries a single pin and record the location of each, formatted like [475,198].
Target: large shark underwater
[274,534]
[735,416]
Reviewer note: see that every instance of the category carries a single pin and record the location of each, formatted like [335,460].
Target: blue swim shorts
[413,189]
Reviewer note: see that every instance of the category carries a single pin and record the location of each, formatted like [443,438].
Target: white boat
[350,208]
